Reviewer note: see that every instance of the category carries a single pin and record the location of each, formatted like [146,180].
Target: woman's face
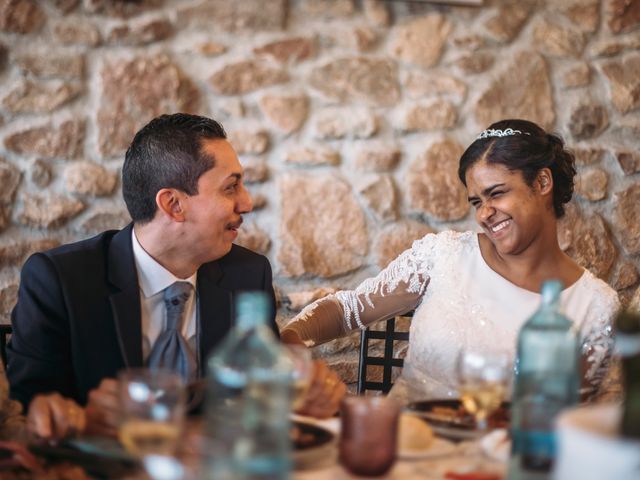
[511,213]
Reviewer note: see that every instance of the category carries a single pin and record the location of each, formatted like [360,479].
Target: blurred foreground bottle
[628,347]
[547,380]
[249,399]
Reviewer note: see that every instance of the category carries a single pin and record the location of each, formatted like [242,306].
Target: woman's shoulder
[447,239]
[603,299]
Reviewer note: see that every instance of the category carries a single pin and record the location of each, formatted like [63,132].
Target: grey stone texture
[348,116]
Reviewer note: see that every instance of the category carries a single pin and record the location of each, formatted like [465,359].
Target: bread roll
[413,433]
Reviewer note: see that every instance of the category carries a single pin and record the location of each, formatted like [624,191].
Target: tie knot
[175,297]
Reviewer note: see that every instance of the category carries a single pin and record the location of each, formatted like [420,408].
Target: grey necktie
[171,350]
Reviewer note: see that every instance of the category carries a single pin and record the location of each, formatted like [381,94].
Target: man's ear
[171,203]
[545,181]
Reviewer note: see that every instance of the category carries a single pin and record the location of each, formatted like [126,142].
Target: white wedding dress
[459,302]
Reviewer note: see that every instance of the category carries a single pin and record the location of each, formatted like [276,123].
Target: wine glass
[152,406]
[300,357]
[482,376]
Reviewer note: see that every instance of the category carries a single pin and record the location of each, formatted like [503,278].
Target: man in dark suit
[91,308]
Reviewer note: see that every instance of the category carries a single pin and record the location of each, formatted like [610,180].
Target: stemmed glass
[152,404]
[300,357]
[483,376]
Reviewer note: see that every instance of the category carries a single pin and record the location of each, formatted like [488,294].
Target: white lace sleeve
[600,375]
[395,290]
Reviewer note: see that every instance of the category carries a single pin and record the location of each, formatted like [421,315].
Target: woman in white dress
[477,289]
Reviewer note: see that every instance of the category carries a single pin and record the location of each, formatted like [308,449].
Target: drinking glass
[152,411]
[302,372]
[368,438]
[482,377]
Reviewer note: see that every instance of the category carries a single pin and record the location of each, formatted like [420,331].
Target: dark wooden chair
[5,333]
[387,361]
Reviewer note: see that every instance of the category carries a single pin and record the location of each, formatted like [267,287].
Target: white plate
[439,447]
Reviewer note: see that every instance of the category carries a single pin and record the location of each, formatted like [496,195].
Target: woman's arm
[395,290]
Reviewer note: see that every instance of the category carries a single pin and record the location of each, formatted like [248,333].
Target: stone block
[622,15]
[245,77]
[312,156]
[51,64]
[585,237]
[433,185]
[358,79]
[588,121]
[592,184]
[340,123]
[135,91]
[521,90]
[79,31]
[20,16]
[49,141]
[290,50]
[396,238]
[89,178]
[48,211]
[322,228]
[421,40]
[623,76]
[287,112]
[32,97]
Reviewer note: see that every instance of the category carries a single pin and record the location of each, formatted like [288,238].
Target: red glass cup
[368,439]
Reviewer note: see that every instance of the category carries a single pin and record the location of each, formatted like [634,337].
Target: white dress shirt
[153,278]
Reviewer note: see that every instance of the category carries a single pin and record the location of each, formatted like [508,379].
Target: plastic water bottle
[249,398]
[547,380]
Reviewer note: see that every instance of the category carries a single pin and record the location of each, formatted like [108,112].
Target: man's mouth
[499,226]
[234,226]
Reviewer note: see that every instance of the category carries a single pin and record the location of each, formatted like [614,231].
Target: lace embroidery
[411,267]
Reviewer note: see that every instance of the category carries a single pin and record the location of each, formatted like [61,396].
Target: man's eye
[496,193]
[232,188]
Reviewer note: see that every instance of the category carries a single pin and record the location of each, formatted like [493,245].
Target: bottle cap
[252,308]
[551,291]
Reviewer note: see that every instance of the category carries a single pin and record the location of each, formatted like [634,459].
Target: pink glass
[368,440]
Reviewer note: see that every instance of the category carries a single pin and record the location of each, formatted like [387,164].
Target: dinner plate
[312,445]
[449,419]
[437,448]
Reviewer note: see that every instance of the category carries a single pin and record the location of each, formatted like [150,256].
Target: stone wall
[349,117]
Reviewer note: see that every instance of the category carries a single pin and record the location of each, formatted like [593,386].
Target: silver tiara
[507,132]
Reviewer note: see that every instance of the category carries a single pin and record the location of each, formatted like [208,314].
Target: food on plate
[413,433]
[301,439]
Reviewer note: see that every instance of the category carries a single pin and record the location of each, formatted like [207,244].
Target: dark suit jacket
[77,320]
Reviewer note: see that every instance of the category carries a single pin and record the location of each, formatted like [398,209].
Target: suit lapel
[125,302]
[215,308]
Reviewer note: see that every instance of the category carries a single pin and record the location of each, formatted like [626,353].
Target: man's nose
[245,203]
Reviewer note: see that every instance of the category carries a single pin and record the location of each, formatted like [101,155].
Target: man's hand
[325,393]
[53,417]
[102,409]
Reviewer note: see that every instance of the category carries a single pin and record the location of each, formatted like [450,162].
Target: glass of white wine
[483,376]
[302,372]
[152,411]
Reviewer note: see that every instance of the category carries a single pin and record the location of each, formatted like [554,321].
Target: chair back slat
[387,361]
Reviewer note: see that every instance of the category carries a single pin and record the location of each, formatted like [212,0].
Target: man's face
[214,215]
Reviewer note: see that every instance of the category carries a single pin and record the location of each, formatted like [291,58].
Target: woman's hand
[53,417]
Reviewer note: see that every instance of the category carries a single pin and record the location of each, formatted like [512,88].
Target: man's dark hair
[166,153]
[528,151]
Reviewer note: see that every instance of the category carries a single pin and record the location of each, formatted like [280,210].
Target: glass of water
[152,411]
